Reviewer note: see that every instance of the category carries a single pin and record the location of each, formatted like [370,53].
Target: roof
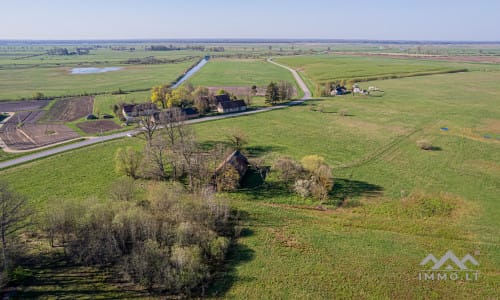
[190,111]
[138,108]
[232,104]
[237,161]
[222,98]
[128,108]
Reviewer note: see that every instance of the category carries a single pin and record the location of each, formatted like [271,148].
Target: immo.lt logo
[449,267]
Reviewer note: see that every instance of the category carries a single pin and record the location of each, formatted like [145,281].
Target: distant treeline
[151,60]
[65,51]
[177,48]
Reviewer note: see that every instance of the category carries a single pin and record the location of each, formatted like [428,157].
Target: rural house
[237,161]
[132,111]
[231,106]
[222,98]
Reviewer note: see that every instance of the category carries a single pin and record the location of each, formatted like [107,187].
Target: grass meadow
[239,72]
[319,69]
[58,81]
[371,247]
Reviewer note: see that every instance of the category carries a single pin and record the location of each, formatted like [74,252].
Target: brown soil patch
[93,127]
[13,106]
[32,136]
[71,109]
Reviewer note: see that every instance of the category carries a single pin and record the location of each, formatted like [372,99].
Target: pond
[94,70]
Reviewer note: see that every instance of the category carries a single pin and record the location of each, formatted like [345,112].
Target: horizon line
[257,40]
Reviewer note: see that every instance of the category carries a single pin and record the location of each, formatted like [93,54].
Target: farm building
[176,114]
[237,161]
[340,90]
[231,106]
[132,111]
[190,113]
[222,98]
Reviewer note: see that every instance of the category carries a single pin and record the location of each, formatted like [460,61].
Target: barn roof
[237,160]
[233,104]
[222,98]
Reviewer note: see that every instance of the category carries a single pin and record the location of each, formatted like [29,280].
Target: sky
[459,20]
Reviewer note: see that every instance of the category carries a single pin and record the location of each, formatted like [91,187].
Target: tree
[127,162]
[200,97]
[149,125]
[13,217]
[38,96]
[272,93]
[159,95]
[178,97]
[285,90]
[237,138]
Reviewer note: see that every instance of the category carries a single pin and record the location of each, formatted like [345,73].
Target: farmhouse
[231,106]
[222,98]
[340,90]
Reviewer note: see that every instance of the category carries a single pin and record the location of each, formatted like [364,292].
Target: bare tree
[237,138]
[149,126]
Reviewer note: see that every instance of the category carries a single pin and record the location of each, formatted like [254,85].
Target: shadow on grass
[53,277]
[345,188]
[257,151]
[237,255]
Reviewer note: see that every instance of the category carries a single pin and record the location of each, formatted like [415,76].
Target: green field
[237,72]
[103,104]
[320,69]
[370,250]
[18,83]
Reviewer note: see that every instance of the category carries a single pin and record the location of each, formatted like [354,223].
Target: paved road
[101,139]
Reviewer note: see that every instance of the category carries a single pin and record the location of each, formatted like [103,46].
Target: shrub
[424,145]
[288,169]
[312,162]
[123,189]
[303,187]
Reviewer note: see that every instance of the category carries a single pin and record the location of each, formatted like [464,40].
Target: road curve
[300,82]
[101,139]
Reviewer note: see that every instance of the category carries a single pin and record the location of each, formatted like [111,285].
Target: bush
[288,169]
[312,162]
[303,187]
[424,145]
[123,189]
